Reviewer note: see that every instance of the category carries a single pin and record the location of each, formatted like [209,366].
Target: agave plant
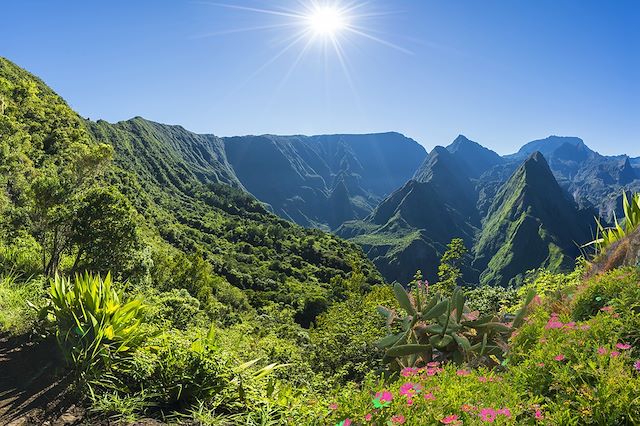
[442,328]
[92,323]
[605,236]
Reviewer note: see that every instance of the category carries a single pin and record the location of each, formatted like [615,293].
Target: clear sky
[500,72]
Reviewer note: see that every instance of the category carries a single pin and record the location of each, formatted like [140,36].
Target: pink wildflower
[538,415]
[433,364]
[570,325]
[466,408]
[560,357]
[429,396]
[602,351]
[505,412]
[384,396]
[447,420]
[607,309]
[554,322]
[398,419]
[614,354]
[623,346]
[345,422]
[482,379]
[368,417]
[463,372]
[333,406]
[488,415]
[409,402]
[408,372]
[409,388]
[636,365]
[540,364]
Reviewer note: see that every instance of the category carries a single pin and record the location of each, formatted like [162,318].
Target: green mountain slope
[530,224]
[189,204]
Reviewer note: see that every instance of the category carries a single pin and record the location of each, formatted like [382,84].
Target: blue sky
[500,72]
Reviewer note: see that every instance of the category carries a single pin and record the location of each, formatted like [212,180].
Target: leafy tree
[103,231]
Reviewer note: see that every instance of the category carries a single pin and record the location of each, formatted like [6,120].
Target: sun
[327,21]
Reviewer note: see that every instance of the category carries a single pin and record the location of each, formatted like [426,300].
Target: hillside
[183,203]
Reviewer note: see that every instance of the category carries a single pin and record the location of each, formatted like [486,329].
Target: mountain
[594,180]
[195,226]
[512,215]
[321,181]
[531,224]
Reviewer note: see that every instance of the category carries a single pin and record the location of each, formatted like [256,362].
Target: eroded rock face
[625,252]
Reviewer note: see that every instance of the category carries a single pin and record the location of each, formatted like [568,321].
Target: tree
[449,272]
[103,231]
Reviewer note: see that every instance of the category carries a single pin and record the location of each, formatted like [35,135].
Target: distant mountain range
[403,205]
[382,191]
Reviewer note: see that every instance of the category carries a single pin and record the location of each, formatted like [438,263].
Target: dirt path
[32,392]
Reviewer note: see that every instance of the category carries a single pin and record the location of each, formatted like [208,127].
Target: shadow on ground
[33,390]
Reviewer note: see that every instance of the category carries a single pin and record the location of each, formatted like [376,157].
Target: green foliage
[343,337]
[442,328]
[606,236]
[93,324]
[449,273]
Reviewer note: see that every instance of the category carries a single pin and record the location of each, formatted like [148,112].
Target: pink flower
[636,365]
[488,415]
[606,308]
[368,417]
[570,325]
[409,371]
[623,346]
[429,396]
[553,322]
[345,422]
[482,379]
[505,412]
[540,364]
[538,415]
[384,396]
[398,419]
[409,402]
[463,372]
[602,351]
[614,354]
[466,408]
[433,364]
[585,327]
[560,357]
[333,406]
[447,420]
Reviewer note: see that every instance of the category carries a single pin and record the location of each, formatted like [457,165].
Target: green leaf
[403,299]
[404,350]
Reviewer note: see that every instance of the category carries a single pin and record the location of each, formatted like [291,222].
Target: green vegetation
[606,236]
[131,252]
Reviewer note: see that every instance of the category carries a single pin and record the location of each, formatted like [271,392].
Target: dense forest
[141,282]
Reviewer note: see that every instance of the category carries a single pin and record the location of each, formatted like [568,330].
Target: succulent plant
[442,328]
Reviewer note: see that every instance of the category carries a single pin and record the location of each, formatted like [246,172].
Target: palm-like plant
[93,325]
[605,236]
